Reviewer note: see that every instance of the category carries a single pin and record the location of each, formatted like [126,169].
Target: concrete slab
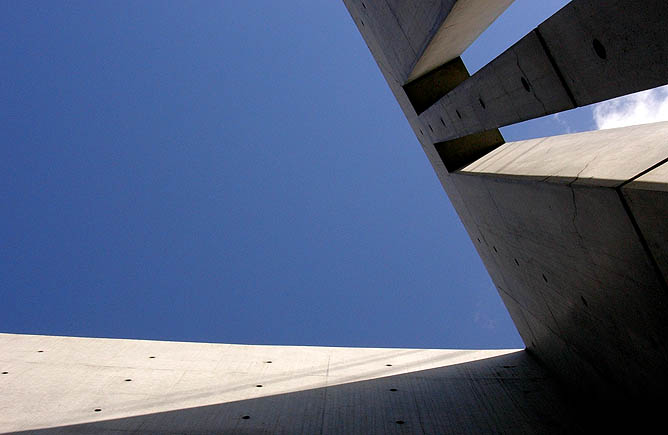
[596,158]
[55,381]
[304,389]
[465,22]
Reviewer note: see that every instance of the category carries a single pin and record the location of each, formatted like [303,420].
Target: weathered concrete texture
[598,158]
[199,387]
[647,198]
[465,22]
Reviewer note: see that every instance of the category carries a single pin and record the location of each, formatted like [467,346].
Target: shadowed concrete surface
[203,388]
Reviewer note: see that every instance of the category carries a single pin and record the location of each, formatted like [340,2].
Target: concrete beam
[396,31]
[465,22]
[519,84]
[609,49]
[414,38]
[606,158]
[462,151]
[431,87]
[586,53]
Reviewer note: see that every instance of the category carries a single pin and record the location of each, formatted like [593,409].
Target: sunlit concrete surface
[465,22]
[601,158]
[57,383]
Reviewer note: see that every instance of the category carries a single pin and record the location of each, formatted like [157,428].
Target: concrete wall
[55,384]
[563,248]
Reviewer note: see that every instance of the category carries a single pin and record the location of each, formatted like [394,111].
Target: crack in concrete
[575,205]
[531,86]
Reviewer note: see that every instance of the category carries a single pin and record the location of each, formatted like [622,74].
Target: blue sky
[230,172]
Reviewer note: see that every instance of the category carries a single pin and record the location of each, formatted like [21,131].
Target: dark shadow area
[424,91]
[457,153]
[505,394]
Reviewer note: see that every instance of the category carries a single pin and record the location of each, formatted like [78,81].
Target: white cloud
[565,125]
[640,108]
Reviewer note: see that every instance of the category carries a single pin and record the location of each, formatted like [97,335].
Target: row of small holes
[544,278]
[598,48]
[245,417]
[364,6]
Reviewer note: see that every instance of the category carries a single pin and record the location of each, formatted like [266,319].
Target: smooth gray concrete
[209,388]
